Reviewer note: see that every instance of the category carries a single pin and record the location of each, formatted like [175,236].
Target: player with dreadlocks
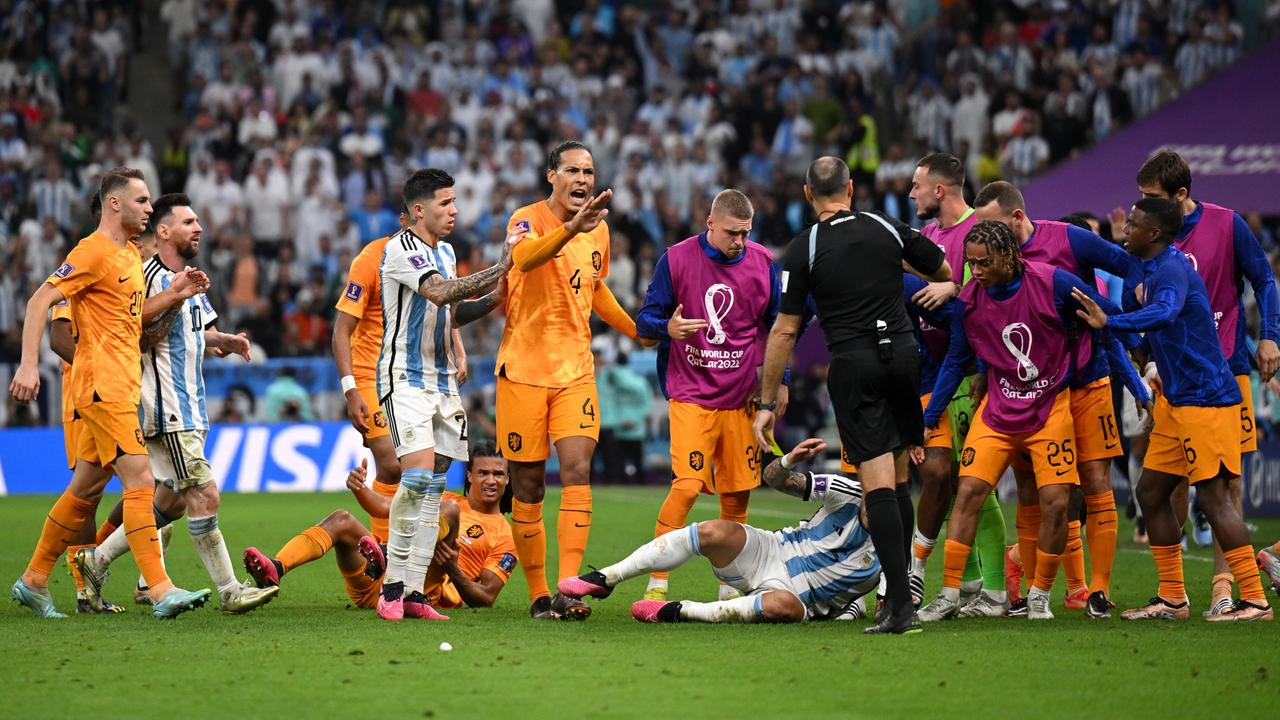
[1016,318]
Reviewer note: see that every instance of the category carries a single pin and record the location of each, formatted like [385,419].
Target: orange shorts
[378,427]
[71,437]
[1248,429]
[939,437]
[706,438]
[988,453]
[442,594]
[1194,442]
[107,431]
[1094,415]
[363,590]
[528,414]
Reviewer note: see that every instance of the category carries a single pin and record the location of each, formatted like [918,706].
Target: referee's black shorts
[876,403]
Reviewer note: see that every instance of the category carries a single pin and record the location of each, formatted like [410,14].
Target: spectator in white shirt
[268,202]
[360,139]
[224,203]
[1026,154]
[969,119]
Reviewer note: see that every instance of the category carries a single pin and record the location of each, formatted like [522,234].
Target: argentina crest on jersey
[173,391]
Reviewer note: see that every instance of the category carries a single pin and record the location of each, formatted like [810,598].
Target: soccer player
[1225,253]
[62,341]
[812,571]
[1196,437]
[1016,319]
[473,559]
[357,340]
[546,376]
[417,377]
[102,276]
[1097,440]
[937,189]
[708,361]
[175,421]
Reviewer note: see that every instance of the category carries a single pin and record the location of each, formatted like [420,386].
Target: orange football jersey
[105,284]
[362,300]
[547,338]
[484,542]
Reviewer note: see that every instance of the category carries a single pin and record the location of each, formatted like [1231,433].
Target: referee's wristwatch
[770,406]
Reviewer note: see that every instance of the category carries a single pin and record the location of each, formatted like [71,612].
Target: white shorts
[177,459]
[422,420]
[760,567]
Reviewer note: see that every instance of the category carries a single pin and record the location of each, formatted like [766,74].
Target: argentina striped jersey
[830,555]
[173,371]
[417,336]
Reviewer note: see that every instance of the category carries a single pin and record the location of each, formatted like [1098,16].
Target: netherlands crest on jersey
[354,291]
[64,270]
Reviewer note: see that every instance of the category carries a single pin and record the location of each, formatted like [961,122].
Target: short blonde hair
[732,203]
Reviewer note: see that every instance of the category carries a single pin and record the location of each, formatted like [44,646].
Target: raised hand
[1091,312]
[507,247]
[806,450]
[590,214]
[679,327]
[355,478]
[1118,219]
[189,282]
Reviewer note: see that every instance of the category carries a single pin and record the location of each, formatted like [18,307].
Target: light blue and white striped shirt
[417,336]
[829,556]
[173,396]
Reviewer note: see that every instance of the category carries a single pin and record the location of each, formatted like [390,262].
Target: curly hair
[1000,242]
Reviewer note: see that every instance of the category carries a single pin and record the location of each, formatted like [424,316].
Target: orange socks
[573,528]
[60,529]
[675,510]
[104,531]
[1169,568]
[1073,558]
[144,541]
[310,544]
[954,556]
[1047,569]
[1100,532]
[531,545]
[379,525]
[1028,522]
[733,506]
[1245,568]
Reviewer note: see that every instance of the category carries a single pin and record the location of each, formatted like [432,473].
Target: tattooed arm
[155,330]
[789,480]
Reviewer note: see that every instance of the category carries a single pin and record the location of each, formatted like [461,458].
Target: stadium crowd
[291,123]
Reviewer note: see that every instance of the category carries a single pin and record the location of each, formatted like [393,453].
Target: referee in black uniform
[852,265]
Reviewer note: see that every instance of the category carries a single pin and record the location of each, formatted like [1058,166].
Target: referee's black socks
[908,512]
[885,518]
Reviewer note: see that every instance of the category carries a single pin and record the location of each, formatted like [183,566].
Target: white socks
[212,550]
[665,552]
[423,547]
[918,564]
[402,522]
[745,609]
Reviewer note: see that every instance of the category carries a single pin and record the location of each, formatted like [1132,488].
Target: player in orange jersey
[103,277]
[472,562]
[546,376]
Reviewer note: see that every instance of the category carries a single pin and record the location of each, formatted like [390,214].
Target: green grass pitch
[308,654]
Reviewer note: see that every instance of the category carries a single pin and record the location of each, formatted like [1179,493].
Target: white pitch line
[1185,556]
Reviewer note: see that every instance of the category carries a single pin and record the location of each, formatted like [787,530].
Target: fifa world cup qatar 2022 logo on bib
[1018,339]
[718,301]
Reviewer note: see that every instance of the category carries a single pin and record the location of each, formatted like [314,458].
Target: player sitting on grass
[812,571]
[472,562]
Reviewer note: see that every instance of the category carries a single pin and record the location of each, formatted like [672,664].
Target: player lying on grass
[812,571]
[473,559]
